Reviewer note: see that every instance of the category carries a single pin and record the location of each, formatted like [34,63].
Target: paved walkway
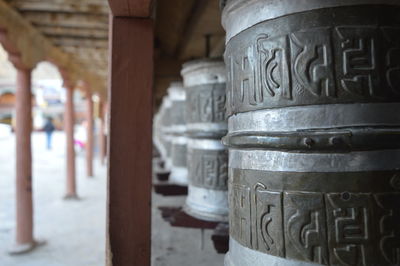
[74,230]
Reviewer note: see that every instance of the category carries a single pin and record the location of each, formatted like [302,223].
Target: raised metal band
[205,144]
[327,56]
[252,12]
[343,140]
[329,116]
[318,162]
[240,255]
[207,204]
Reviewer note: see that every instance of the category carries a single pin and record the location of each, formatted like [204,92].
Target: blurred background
[53,128]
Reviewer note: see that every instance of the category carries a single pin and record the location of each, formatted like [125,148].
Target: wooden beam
[130,142]
[65,6]
[79,32]
[78,42]
[131,8]
[67,20]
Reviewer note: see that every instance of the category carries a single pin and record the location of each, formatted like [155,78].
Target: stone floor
[75,230]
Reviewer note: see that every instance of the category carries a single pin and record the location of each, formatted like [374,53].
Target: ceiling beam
[78,42]
[65,6]
[74,32]
[67,20]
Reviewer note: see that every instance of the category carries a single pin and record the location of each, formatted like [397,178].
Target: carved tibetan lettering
[205,106]
[392,36]
[273,67]
[240,224]
[350,229]
[192,106]
[208,168]
[222,179]
[305,227]
[389,244]
[219,105]
[244,89]
[268,233]
[312,54]
[359,50]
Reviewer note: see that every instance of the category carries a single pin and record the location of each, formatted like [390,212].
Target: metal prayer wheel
[204,81]
[165,139]
[176,130]
[313,92]
[157,134]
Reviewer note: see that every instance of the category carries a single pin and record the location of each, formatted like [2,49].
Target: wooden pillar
[69,122]
[89,135]
[102,135]
[24,241]
[130,144]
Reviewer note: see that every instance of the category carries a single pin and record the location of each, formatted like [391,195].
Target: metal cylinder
[313,94]
[163,139]
[177,130]
[204,81]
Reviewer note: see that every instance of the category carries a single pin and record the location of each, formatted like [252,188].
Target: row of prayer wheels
[312,124]
[187,131]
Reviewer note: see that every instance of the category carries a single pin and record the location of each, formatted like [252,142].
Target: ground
[75,230]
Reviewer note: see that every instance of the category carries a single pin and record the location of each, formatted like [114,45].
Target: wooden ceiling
[180,35]
[79,28]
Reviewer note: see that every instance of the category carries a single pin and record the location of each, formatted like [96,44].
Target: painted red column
[69,121]
[130,141]
[24,241]
[89,135]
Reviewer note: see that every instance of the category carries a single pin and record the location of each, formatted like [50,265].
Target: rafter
[86,6]
[67,20]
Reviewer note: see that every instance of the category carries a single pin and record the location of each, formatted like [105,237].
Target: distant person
[49,129]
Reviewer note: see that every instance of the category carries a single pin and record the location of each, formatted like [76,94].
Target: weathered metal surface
[313,95]
[204,81]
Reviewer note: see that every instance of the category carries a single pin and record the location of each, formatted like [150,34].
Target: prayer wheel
[165,138]
[176,130]
[313,92]
[204,81]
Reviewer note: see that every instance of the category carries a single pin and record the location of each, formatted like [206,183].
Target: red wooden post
[130,144]
[89,135]
[24,205]
[69,121]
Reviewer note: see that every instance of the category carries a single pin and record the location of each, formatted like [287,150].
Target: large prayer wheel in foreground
[207,158]
[313,96]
